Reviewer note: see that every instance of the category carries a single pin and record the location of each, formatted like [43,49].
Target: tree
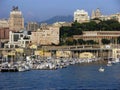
[81,41]
[118,40]
[69,41]
[74,42]
[105,41]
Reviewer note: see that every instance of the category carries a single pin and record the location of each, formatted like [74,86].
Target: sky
[38,10]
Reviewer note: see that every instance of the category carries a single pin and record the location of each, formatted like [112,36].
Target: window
[16,37]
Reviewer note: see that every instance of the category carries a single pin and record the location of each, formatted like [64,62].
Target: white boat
[109,63]
[101,69]
[21,69]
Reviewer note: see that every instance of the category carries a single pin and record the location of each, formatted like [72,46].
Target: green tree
[81,41]
[105,41]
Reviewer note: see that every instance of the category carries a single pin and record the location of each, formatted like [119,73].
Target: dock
[8,70]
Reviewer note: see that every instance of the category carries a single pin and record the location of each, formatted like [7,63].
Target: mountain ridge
[68,18]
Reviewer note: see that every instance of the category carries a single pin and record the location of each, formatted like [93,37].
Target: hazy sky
[38,10]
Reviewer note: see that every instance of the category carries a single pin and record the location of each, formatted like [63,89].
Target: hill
[58,19]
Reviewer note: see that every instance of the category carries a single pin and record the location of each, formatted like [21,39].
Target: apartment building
[81,16]
[32,26]
[46,35]
[18,39]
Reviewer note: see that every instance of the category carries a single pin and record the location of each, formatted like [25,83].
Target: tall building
[81,16]
[96,14]
[32,26]
[16,20]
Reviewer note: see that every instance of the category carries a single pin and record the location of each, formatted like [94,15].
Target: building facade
[4,23]
[60,24]
[46,36]
[99,35]
[32,26]
[4,36]
[96,14]
[18,39]
[81,16]
[116,53]
[16,20]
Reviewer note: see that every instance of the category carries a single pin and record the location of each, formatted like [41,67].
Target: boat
[109,63]
[101,69]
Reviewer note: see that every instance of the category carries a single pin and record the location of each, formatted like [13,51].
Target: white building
[115,16]
[60,24]
[81,16]
[46,36]
[18,39]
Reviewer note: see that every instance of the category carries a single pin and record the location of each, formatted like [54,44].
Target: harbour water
[79,76]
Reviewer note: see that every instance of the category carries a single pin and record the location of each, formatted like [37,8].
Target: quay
[8,70]
[97,50]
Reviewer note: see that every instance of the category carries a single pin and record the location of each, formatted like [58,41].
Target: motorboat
[101,69]
[109,63]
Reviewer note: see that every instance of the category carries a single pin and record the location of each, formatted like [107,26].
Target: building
[60,24]
[96,14]
[16,20]
[4,35]
[65,54]
[46,36]
[42,53]
[110,17]
[18,39]
[4,23]
[99,35]
[81,16]
[32,26]
[115,17]
[115,53]
[86,55]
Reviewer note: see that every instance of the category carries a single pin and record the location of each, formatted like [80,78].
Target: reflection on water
[80,76]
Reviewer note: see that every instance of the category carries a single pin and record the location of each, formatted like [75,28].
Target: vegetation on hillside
[66,32]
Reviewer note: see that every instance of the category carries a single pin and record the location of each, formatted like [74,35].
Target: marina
[79,76]
[56,57]
[31,63]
